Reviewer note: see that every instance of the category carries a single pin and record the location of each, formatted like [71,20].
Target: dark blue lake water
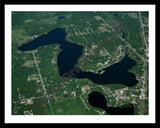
[70,53]
[60,17]
[98,100]
[115,14]
[114,74]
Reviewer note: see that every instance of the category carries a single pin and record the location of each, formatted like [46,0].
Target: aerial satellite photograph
[80,62]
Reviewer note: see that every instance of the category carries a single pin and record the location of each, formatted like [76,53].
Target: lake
[98,100]
[70,53]
[114,74]
[60,17]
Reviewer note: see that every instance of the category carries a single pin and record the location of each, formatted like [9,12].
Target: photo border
[74,118]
